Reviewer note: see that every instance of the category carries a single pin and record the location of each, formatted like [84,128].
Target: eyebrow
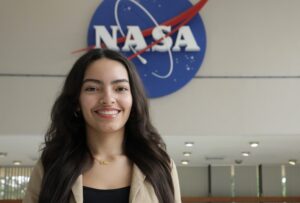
[100,82]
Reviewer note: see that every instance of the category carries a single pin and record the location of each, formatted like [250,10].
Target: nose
[107,98]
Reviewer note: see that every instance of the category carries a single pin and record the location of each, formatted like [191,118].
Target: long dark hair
[66,153]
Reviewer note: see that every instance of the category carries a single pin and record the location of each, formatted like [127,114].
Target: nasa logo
[167,51]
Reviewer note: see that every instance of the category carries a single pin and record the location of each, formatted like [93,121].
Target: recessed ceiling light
[185,162]
[253,144]
[189,144]
[246,153]
[292,162]
[17,163]
[238,161]
[187,153]
[3,154]
[33,158]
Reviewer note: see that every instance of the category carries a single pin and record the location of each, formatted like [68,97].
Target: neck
[106,146]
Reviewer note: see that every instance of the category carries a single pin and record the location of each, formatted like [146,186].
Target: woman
[101,145]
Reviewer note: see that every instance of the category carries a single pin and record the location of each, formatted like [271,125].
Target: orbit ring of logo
[165,40]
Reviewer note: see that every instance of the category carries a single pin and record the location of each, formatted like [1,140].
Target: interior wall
[239,181]
[257,66]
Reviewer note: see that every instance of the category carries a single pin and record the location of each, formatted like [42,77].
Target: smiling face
[105,98]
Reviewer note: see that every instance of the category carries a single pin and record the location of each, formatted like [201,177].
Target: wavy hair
[66,154]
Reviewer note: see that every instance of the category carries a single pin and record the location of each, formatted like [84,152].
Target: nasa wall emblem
[165,39]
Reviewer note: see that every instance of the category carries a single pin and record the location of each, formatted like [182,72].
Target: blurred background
[233,130]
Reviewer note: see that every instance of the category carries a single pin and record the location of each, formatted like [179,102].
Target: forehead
[106,69]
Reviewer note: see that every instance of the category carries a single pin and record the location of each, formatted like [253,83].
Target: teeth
[108,112]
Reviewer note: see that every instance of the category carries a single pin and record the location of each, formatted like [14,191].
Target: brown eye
[91,89]
[121,89]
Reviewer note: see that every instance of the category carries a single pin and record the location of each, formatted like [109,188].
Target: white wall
[246,179]
[272,185]
[245,38]
[221,181]
[293,181]
[193,181]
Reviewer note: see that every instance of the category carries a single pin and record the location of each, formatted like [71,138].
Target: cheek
[128,103]
[86,103]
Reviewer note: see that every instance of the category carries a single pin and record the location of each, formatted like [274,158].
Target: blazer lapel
[137,181]
[77,190]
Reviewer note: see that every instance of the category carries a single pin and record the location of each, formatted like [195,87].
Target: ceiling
[272,149]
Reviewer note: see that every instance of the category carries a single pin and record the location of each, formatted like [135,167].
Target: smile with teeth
[107,113]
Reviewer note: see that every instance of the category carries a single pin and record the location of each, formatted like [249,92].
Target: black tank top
[93,195]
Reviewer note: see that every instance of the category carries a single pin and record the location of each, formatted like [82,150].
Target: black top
[93,195]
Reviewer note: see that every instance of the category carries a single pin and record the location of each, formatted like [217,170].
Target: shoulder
[141,190]
[34,185]
[38,168]
[140,183]
[37,172]
[175,180]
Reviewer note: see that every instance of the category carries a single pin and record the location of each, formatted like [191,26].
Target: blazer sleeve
[34,185]
[175,179]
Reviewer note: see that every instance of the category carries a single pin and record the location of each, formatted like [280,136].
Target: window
[13,181]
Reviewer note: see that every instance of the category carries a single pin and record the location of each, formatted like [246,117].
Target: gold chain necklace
[102,162]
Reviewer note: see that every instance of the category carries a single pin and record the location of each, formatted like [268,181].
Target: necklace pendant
[103,162]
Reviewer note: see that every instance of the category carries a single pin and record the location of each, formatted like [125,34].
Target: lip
[107,113]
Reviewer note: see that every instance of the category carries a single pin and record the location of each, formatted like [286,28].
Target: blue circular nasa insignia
[166,67]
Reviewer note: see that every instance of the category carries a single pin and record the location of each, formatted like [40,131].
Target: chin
[111,130]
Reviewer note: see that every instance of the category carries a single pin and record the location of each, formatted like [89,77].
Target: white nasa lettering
[185,38]
[135,40]
[102,34]
[166,43]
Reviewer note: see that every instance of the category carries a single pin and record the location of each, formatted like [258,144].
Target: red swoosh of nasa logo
[183,19]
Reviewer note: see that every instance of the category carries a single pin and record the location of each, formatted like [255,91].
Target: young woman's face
[105,98]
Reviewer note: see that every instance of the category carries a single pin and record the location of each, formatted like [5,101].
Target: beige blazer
[141,191]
